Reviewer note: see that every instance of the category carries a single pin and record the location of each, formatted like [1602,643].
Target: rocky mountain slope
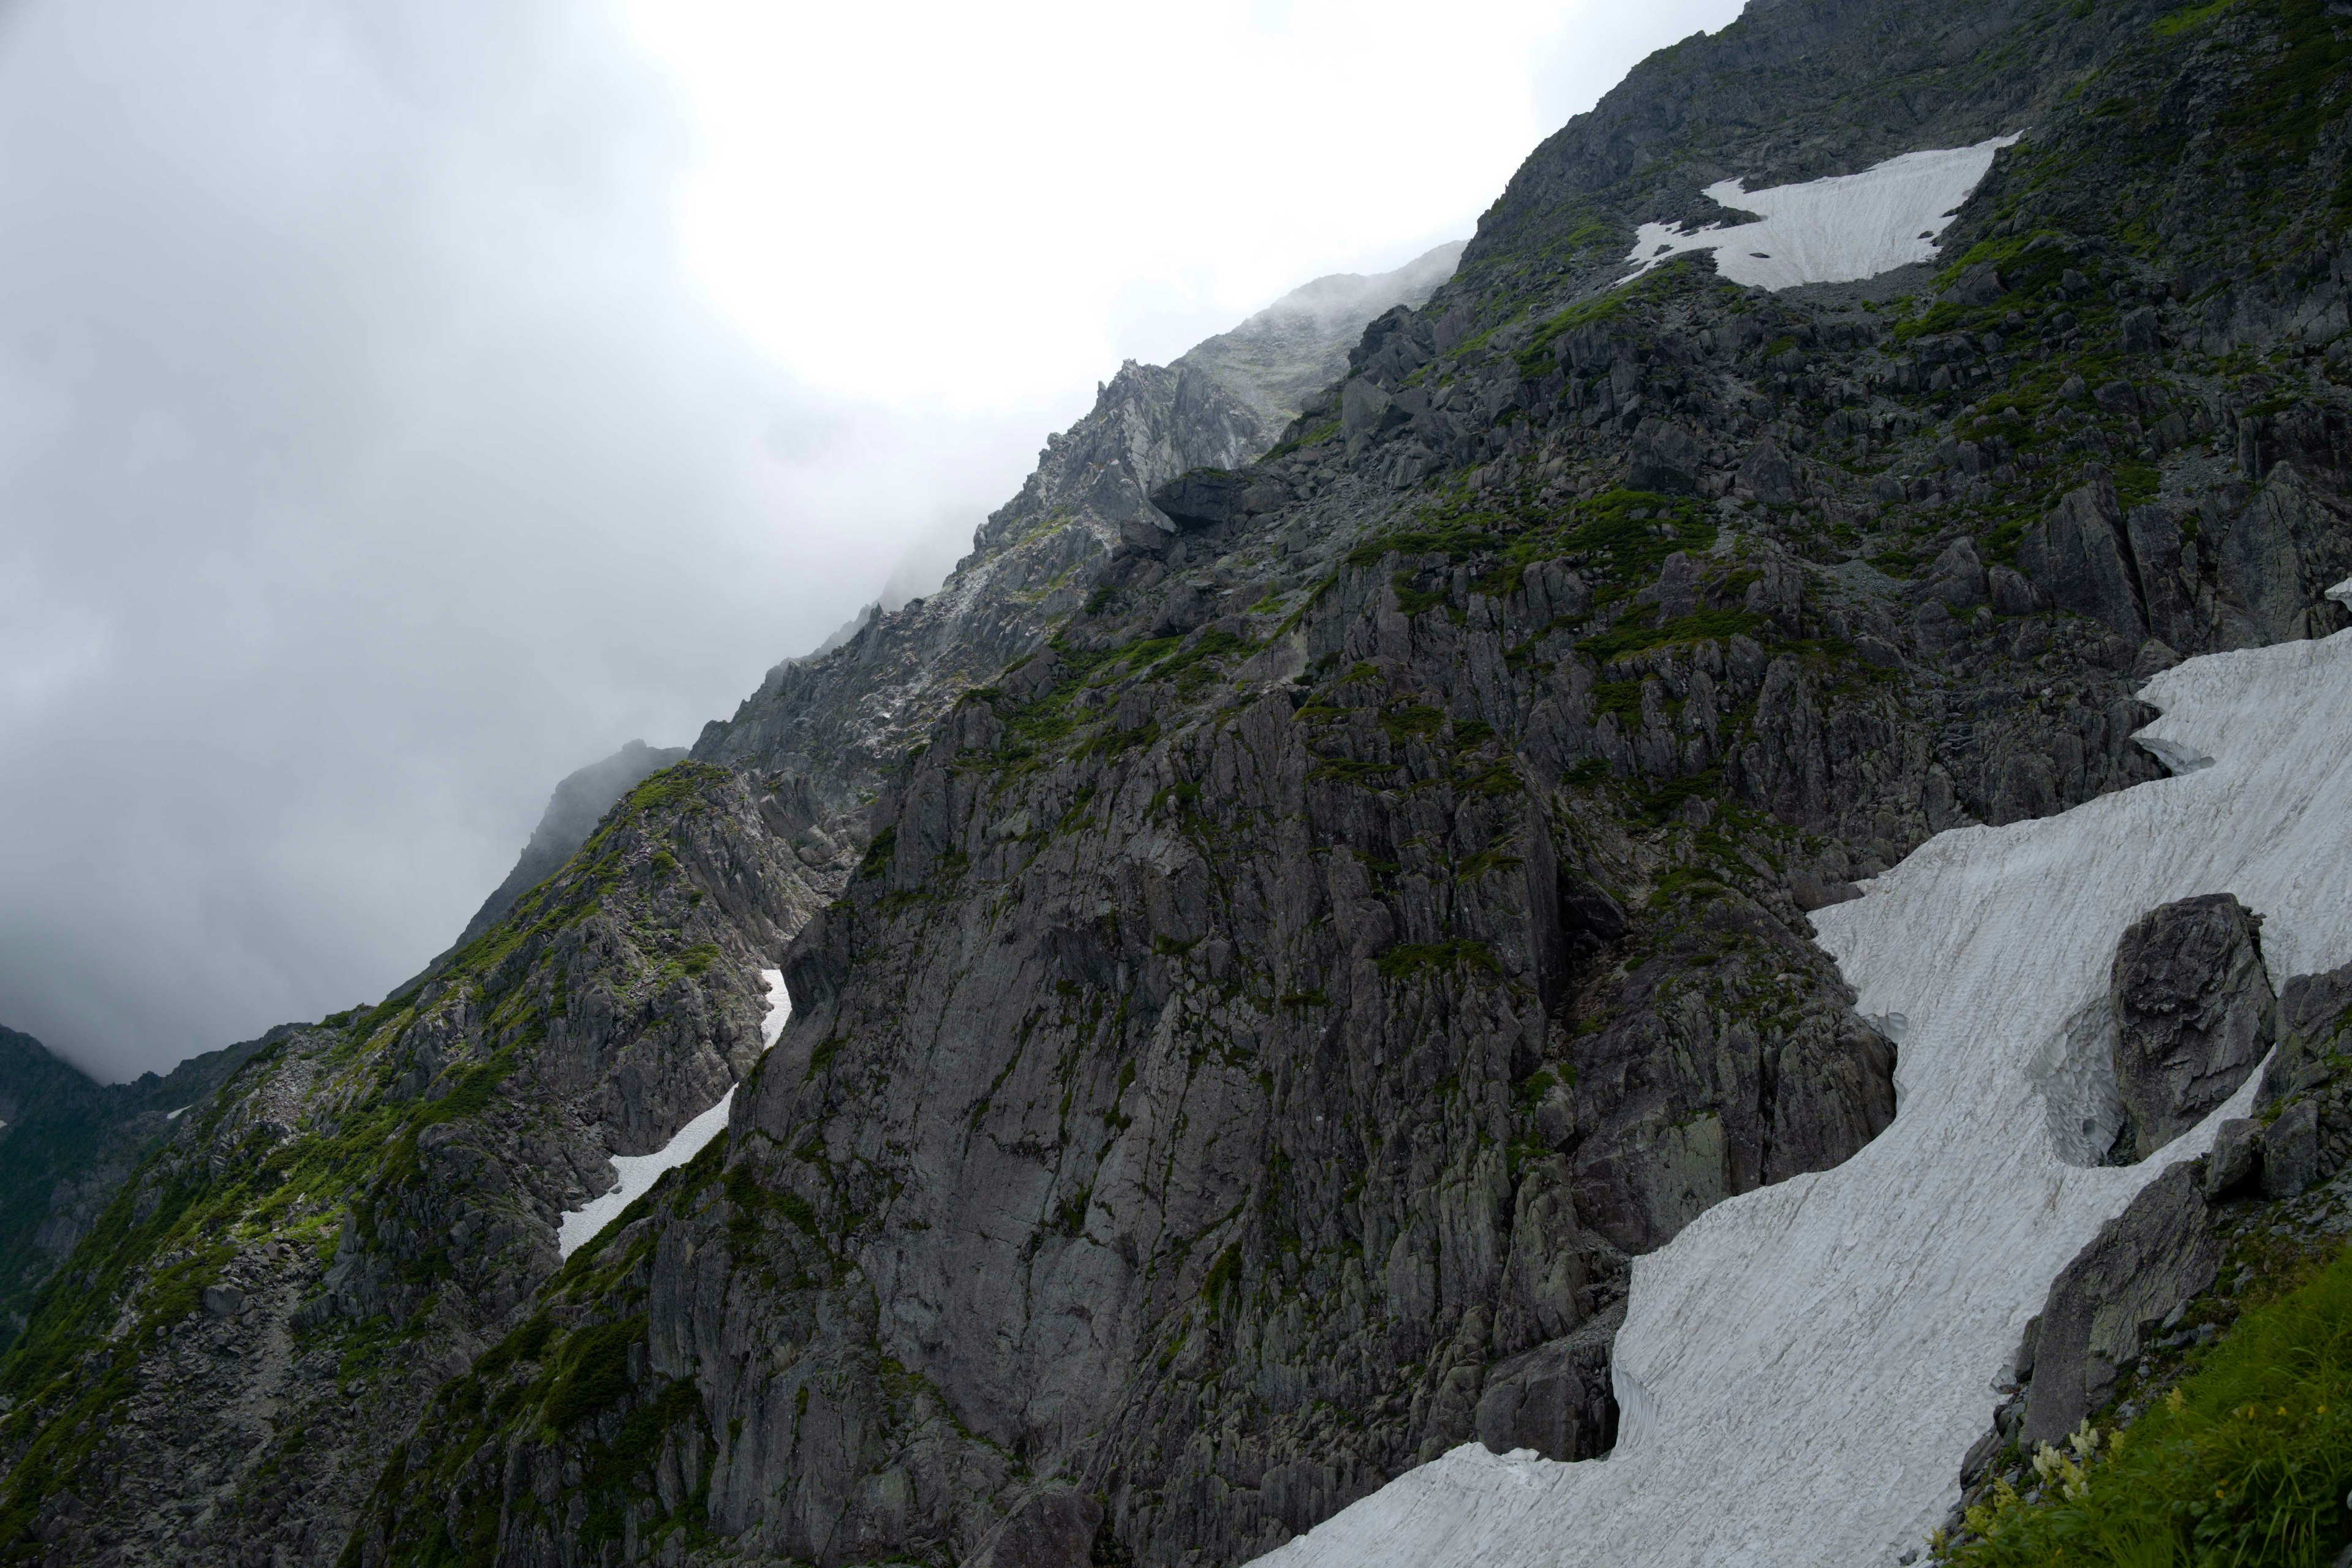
[578,804]
[595,1004]
[67,1143]
[839,722]
[1286,927]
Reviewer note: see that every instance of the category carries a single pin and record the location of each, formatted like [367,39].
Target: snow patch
[175,1115]
[1837,230]
[638,1172]
[1803,1367]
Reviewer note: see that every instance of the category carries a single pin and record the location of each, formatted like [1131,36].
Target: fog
[388,428]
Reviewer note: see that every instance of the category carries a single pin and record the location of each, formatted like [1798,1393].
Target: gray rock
[2139,330]
[2147,1260]
[2291,1150]
[1556,1398]
[2315,1015]
[1958,577]
[2011,593]
[1979,285]
[1364,410]
[1767,474]
[2075,555]
[1667,458]
[2194,1014]
[1050,1528]
[2236,1159]
[1203,498]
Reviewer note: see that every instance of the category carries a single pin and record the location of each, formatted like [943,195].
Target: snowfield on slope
[640,1172]
[1837,230]
[1802,1369]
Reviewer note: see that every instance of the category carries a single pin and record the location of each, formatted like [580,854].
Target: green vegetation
[1620,537]
[2245,1462]
[1407,959]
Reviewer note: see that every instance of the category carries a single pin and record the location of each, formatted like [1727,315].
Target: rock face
[1279,961]
[2194,1014]
[2147,1261]
[579,803]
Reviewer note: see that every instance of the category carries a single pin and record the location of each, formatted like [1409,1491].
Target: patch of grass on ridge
[2246,1463]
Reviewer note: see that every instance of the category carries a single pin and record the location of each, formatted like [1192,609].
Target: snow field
[1802,1369]
[639,1172]
[1836,230]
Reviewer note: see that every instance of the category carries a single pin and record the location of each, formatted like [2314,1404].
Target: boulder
[2158,1253]
[1768,474]
[1667,458]
[2291,1152]
[2011,593]
[2236,1159]
[2314,1012]
[2193,1011]
[1556,1398]
[1958,577]
[1978,285]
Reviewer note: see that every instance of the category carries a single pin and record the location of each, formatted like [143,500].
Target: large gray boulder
[2155,1254]
[2193,1012]
[1556,1398]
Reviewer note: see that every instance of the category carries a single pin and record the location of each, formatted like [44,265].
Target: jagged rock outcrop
[2194,1017]
[2164,1279]
[2144,1264]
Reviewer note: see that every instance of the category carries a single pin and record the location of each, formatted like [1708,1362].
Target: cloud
[401,406]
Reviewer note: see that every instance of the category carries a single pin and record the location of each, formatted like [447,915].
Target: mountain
[1644,877]
[838,722]
[411,1162]
[1284,355]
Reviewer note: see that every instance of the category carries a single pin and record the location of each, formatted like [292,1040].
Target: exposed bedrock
[2193,1010]
[2147,1261]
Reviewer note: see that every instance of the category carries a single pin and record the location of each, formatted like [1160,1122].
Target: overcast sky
[403,402]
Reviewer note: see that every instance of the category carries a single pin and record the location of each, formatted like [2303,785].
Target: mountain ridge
[1293,920]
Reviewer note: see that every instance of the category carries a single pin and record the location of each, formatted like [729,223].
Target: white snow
[639,1172]
[175,1115]
[1835,230]
[1802,1369]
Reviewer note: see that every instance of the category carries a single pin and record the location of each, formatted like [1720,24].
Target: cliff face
[1291,933]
